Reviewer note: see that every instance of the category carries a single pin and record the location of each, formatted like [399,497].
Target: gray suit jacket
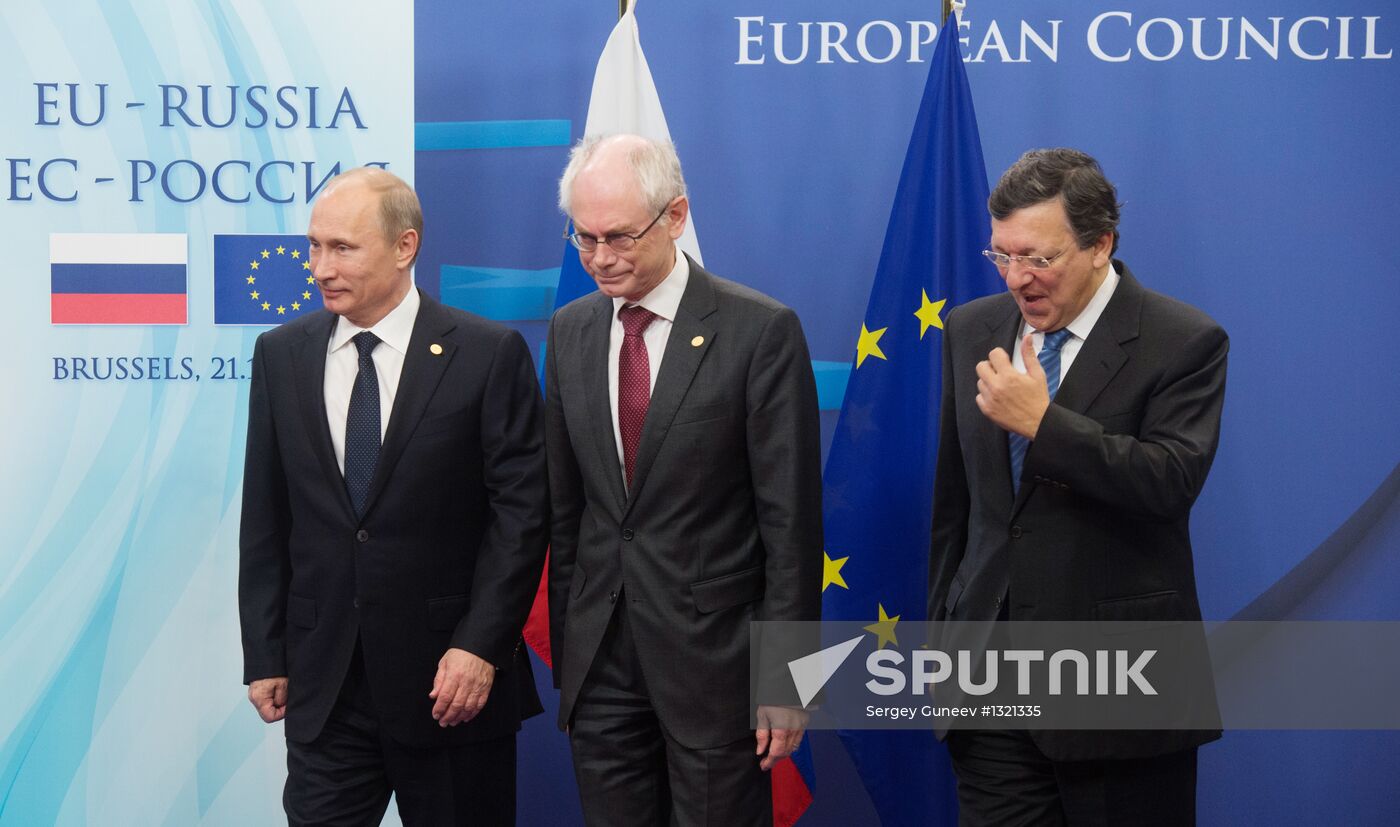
[722,525]
[1100,527]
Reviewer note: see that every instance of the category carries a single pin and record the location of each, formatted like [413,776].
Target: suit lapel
[422,371]
[1100,357]
[1001,332]
[678,366]
[309,363]
[596,337]
[1102,354]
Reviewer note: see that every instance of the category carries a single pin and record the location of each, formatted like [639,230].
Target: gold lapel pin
[435,349]
[697,341]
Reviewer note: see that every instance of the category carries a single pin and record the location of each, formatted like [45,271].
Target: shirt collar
[394,329]
[1084,323]
[665,298]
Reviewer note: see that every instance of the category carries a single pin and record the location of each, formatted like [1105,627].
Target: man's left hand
[1014,401]
[461,687]
[779,732]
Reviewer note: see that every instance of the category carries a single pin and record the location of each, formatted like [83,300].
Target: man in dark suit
[684,465]
[1080,415]
[394,518]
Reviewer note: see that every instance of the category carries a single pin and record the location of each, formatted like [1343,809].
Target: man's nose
[1018,275]
[603,254]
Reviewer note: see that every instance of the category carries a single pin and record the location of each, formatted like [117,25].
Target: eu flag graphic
[262,279]
[879,471]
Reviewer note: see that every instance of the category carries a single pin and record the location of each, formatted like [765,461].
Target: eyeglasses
[619,242]
[1004,261]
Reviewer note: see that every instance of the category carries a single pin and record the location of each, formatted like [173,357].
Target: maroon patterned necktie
[633,382]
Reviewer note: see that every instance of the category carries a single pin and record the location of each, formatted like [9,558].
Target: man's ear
[1103,249]
[406,248]
[677,212]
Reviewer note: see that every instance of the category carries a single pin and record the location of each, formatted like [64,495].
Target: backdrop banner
[159,160]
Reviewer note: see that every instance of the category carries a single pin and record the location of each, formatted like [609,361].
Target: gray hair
[399,209]
[654,163]
[1090,201]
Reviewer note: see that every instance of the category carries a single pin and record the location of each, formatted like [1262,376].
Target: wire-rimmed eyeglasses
[1004,261]
[619,242]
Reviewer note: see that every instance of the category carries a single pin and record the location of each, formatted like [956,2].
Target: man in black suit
[684,465]
[393,531]
[1080,415]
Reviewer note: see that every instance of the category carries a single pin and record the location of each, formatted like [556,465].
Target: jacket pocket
[445,612]
[1140,613]
[440,424]
[728,590]
[301,612]
[700,413]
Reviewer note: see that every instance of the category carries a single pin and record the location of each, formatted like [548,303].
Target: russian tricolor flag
[118,278]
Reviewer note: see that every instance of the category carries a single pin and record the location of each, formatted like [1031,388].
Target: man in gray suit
[684,463]
[1080,416]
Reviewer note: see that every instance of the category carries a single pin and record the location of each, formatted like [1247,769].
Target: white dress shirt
[1079,328]
[664,300]
[343,364]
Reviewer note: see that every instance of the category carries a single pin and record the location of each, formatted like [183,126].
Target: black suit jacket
[722,525]
[1100,527]
[450,547]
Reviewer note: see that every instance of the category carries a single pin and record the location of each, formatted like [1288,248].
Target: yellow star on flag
[266,306]
[306,294]
[253,264]
[869,344]
[928,314]
[266,254]
[296,254]
[281,311]
[281,249]
[831,571]
[252,279]
[296,305]
[310,279]
[253,294]
[884,629]
[306,265]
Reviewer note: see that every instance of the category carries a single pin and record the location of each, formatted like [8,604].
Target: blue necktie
[362,425]
[1050,363]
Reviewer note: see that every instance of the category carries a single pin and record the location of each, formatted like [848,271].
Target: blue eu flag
[262,279]
[879,471]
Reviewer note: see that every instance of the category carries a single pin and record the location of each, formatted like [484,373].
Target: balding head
[364,235]
[653,168]
[397,204]
[626,198]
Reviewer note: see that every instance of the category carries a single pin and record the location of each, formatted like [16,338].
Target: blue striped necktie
[1050,363]
[362,428]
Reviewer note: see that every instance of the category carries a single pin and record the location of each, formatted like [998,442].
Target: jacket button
[612,597]
[627,534]
[362,536]
[1015,532]
[355,601]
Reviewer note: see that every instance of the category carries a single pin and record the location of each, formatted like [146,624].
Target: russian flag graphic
[118,278]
